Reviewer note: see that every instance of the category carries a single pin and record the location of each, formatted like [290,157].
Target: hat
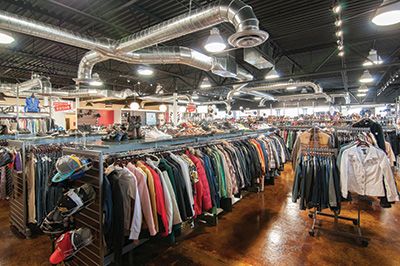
[70,167]
[69,243]
[5,157]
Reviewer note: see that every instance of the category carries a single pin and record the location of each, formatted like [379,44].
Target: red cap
[63,248]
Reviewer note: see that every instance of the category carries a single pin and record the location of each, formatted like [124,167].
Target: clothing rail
[353,129]
[92,217]
[19,199]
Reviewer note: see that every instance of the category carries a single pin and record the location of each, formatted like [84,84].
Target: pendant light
[272,74]
[363,88]
[6,38]
[387,14]
[205,83]
[361,94]
[134,106]
[215,43]
[145,71]
[366,77]
[163,108]
[373,58]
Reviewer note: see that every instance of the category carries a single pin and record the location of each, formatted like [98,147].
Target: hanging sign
[62,106]
[191,108]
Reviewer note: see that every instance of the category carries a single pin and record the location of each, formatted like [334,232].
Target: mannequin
[32,104]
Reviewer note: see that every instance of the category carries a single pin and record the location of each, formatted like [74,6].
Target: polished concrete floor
[263,229]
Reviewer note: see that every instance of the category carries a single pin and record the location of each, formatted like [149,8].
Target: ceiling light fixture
[291,88]
[134,106]
[373,58]
[205,83]
[95,81]
[387,14]
[366,77]
[145,71]
[341,47]
[361,94]
[215,43]
[6,38]
[337,8]
[363,88]
[236,93]
[257,98]
[339,33]
[341,53]
[163,108]
[338,23]
[272,74]
[195,96]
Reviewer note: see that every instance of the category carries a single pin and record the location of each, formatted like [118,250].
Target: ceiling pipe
[37,83]
[156,55]
[240,15]
[169,99]
[296,97]
[344,95]
[284,85]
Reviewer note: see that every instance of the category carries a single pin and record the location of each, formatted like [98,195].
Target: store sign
[62,106]
[191,108]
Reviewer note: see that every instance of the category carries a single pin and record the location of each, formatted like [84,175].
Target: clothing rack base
[357,236]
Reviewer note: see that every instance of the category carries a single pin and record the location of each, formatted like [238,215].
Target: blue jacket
[32,105]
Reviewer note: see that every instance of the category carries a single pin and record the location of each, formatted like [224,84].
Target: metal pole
[76,111]
[175,109]
[17,113]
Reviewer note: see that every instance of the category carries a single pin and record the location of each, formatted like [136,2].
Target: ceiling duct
[156,55]
[36,84]
[297,97]
[255,58]
[284,85]
[344,95]
[228,67]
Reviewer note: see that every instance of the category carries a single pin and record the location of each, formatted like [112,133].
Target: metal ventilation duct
[255,58]
[157,55]
[297,97]
[284,85]
[35,84]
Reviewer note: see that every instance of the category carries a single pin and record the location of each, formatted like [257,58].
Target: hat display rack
[19,198]
[92,216]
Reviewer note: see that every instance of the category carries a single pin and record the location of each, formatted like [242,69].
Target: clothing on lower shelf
[35,125]
[160,191]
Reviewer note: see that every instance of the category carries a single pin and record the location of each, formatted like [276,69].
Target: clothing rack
[92,216]
[19,199]
[362,240]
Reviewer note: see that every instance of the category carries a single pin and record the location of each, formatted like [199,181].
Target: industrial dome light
[387,14]
[215,43]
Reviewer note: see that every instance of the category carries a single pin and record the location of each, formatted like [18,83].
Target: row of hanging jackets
[6,184]
[159,192]
[39,169]
[36,125]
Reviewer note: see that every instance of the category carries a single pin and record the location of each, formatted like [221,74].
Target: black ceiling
[302,42]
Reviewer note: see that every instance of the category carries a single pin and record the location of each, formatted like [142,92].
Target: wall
[107,117]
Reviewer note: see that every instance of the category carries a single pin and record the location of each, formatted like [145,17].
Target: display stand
[19,198]
[92,217]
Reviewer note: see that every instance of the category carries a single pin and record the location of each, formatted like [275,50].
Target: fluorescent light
[338,23]
[182,109]
[257,98]
[373,58]
[290,88]
[6,38]
[366,77]
[215,43]
[272,74]
[205,83]
[387,14]
[363,88]
[361,94]
[336,9]
[95,83]
[145,71]
[134,106]
[163,108]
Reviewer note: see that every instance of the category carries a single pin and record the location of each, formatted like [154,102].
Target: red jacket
[205,200]
[159,200]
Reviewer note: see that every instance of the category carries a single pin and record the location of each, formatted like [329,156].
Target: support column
[175,109]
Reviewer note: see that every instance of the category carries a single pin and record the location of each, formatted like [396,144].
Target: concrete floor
[263,229]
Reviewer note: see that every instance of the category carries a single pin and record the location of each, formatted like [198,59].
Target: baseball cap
[69,243]
[71,167]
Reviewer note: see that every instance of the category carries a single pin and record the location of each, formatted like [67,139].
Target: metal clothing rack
[92,217]
[358,236]
[19,199]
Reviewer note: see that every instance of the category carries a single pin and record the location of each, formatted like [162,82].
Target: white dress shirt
[366,171]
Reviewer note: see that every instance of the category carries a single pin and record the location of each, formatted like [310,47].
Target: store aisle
[263,229]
